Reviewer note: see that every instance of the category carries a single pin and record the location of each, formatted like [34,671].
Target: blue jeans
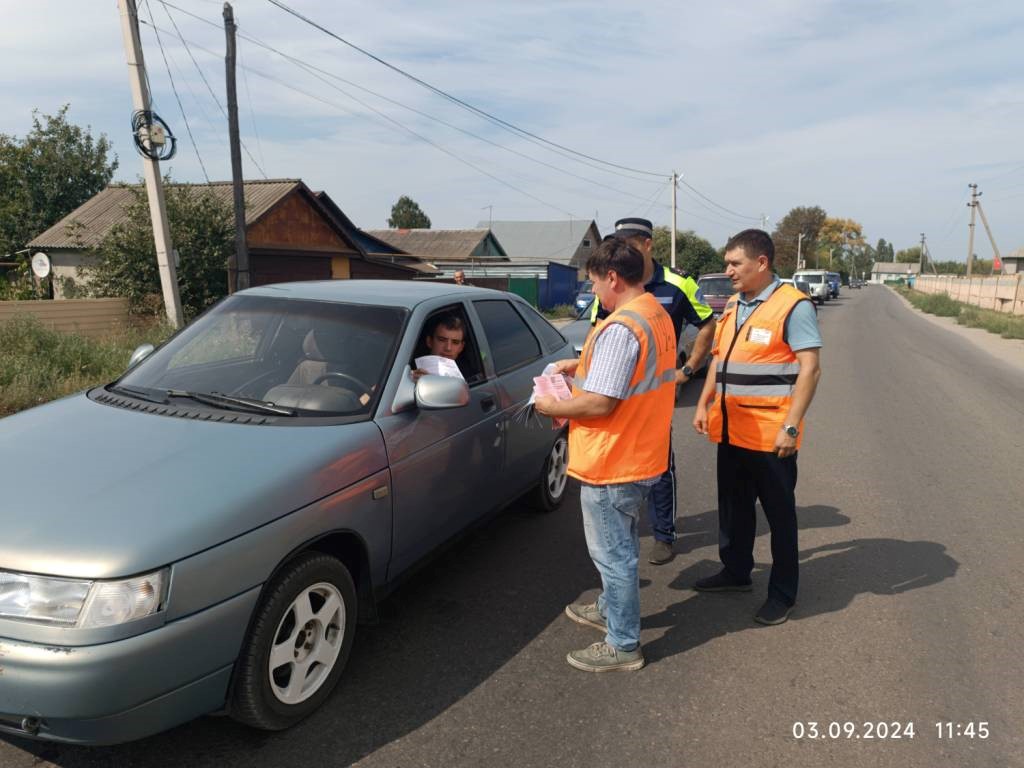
[611,515]
[661,510]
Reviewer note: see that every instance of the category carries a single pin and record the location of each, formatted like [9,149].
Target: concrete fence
[1002,293]
[88,317]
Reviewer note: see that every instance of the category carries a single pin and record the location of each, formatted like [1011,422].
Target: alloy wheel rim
[307,643]
[557,466]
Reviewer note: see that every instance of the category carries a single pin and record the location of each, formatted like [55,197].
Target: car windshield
[310,356]
[716,286]
[586,287]
[811,278]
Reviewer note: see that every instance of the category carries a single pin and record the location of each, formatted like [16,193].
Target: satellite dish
[41,264]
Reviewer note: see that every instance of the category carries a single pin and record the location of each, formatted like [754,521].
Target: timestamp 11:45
[970,730]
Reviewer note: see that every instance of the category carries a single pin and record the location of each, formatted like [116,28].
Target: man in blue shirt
[681,298]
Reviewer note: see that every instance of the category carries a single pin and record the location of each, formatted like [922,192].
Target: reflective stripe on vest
[754,377]
[632,442]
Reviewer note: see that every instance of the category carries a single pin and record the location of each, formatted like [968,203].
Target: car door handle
[487,404]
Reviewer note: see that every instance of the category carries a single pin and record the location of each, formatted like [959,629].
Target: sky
[878,111]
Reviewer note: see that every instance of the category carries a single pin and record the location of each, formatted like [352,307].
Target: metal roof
[542,240]
[439,244]
[87,225]
[896,267]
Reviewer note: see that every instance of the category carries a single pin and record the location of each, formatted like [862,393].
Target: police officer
[681,298]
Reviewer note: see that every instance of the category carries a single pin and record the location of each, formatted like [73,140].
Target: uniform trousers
[744,477]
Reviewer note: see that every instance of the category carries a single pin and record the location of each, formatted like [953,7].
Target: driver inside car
[446,337]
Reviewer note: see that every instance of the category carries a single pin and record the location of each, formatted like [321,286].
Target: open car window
[440,324]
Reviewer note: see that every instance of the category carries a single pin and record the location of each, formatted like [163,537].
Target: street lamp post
[799,242]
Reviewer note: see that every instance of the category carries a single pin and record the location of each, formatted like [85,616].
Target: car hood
[95,491]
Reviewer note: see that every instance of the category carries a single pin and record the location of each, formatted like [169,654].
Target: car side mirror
[141,352]
[439,392]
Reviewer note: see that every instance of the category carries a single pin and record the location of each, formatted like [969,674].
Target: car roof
[713,274]
[393,293]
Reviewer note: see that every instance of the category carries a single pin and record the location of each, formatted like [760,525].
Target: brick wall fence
[88,317]
[1002,293]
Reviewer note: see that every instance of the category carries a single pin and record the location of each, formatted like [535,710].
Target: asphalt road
[910,497]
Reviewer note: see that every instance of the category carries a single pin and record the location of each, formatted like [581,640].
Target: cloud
[876,110]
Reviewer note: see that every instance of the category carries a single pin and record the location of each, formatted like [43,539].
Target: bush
[560,312]
[1007,326]
[39,365]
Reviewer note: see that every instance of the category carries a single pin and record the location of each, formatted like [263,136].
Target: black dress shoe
[722,582]
[773,612]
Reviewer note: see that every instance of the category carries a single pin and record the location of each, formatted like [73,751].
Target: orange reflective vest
[755,373]
[632,442]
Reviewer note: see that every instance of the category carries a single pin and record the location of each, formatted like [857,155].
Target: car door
[445,464]
[517,356]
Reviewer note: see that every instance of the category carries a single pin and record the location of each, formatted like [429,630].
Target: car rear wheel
[553,478]
[298,644]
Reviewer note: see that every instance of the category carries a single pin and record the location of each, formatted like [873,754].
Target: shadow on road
[697,531]
[831,576]
[442,634]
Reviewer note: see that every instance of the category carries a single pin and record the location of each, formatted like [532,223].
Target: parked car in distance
[834,281]
[203,533]
[801,286]
[584,295]
[576,332]
[717,289]
[817,280]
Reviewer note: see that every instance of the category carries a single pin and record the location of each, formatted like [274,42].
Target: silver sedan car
[204,533]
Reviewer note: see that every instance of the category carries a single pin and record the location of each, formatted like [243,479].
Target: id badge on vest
[759,336]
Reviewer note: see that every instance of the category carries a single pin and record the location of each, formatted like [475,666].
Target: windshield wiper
[236,403]
[152,395]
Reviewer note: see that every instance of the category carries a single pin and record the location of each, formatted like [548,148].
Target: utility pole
[970,238]
[920,268]
[799,242]
[995,249]
[675,183]
[764,222]
[239,280]
[150,165]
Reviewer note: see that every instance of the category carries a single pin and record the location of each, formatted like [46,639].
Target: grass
[1007,326]
[38,365]
[560,312]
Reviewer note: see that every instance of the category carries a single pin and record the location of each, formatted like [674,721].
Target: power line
[401,127]
[207,84]
[455,100]
[252,112]
[717,205]
[177,98]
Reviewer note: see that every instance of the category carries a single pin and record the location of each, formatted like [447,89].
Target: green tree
[694,255]
[884,251]
[55,168]
[202,231]
[806,220]
[407,214]
[910,255]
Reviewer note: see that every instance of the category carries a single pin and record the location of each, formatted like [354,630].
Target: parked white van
[817,279]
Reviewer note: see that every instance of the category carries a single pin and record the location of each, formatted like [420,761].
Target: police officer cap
[634,227]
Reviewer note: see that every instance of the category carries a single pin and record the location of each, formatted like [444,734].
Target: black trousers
[744,476]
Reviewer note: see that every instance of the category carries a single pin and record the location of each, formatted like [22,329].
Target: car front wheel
[553,478]
[298,644]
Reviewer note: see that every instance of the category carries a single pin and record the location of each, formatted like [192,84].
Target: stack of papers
[550,383]
[436,365]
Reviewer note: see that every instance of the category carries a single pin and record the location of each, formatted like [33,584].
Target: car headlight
[77,603]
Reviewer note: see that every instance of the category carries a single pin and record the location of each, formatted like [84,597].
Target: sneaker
[601,657]
[722,582]
[773,612]
[660,552]
[587,614]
